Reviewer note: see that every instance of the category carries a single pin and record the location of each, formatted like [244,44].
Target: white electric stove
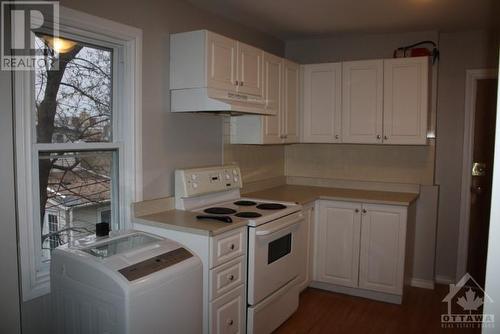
[273,248]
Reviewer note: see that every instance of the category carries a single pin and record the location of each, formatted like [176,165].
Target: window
[77,130]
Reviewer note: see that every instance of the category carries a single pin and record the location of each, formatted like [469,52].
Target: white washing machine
[129,283]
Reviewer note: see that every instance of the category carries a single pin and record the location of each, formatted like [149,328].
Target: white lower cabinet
[361,246]
[306,246]
[227,313]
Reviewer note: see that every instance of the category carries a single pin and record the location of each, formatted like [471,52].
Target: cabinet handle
[241,83]
[230,322]
[385,138]
[364,211]
[356,210]
[231,247]
[236,83]
[378,137]
[230,277]
[336,136]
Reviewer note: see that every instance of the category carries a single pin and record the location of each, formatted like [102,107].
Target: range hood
[216,101]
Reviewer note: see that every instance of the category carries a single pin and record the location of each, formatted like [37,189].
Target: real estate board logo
[21,20]
[466,301]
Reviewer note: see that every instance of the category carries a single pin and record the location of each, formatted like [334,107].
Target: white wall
[493,265]
[9,288]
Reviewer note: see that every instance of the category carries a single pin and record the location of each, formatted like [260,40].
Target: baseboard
[444,280]
[422,283]
[375,295]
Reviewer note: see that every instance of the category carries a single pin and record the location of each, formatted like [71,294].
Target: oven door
[272,256]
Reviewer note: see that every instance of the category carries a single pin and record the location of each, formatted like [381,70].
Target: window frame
[126,42]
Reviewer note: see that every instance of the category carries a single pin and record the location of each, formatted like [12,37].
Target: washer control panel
[199,181]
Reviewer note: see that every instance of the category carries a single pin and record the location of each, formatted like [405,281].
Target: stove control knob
[235,172]
[235,179]
[228,176]
[195,185]
[194,177]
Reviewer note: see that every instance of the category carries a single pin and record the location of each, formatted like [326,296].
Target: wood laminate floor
[328,312]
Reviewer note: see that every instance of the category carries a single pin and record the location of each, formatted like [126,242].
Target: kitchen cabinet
[321,104]
[250,61]
[222,62]
[281,93]
[382,252]
[361,246]
[290,126]
[406,100]
[362,101]
[306,240]
[339,227]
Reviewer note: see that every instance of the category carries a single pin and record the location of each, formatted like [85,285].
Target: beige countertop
[186,221]
[306,194]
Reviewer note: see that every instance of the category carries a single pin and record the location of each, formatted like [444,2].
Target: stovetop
[255,211]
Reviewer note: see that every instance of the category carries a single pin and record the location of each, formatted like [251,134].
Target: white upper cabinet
[382,255]
[250,61]
[362,101]
[291,84]
[273,88]
[222,62]
[406,100]
[281,92]
[321,104]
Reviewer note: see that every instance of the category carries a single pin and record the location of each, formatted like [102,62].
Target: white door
[382,257]
[406,100]
[291,102]
[305,250]
[273,88]
[362,101]
[322,94]
[221,62]
[337,248]
[250,61]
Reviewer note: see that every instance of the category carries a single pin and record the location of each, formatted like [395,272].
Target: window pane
[73,92]
[75,194]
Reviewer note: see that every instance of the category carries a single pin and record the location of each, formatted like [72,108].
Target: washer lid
[120,245]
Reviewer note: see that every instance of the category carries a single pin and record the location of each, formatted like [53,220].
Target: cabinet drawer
[227,246]
[227,313]
[226,277]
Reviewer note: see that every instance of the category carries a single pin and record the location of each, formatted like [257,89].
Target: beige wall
[459,51]
[171,140]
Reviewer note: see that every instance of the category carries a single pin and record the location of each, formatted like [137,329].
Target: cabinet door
[305,250]
[250,70]
[337,249]
[221,62]
[291,102]
[227,313]
[362,94]
[382,257]
[406,100]
[273,88]
[322,103]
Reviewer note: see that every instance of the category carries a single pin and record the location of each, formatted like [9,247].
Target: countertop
[186,221]
[306,194]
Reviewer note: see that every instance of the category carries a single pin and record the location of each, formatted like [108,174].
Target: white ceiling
[289,19]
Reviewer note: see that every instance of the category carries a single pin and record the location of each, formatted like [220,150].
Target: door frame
[472,76]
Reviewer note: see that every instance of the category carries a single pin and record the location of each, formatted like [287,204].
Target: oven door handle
[281,226]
